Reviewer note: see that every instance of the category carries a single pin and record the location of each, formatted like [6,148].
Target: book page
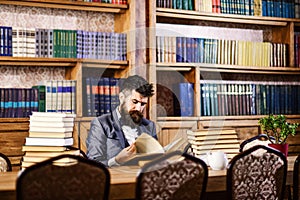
[145,143]
[178,144]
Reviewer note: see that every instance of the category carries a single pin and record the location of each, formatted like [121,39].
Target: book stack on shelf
[50,134]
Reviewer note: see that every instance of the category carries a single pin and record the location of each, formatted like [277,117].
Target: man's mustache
[136,116]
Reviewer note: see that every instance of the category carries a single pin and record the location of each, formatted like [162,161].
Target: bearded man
[111,137]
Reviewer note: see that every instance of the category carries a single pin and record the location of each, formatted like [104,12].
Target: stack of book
[50,134]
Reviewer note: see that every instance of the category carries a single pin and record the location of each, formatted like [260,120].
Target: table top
[123,180]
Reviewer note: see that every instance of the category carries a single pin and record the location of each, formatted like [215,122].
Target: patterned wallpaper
[31,17]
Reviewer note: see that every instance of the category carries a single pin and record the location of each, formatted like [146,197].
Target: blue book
[201,50]
[87,100]
[188,49]
[79,44]
[114,92]
[34,100]
[186,99]
[101,96]
[106,89]
[179,49]
[264,5]
[95,100]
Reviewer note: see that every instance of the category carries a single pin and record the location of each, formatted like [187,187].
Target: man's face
[132,107]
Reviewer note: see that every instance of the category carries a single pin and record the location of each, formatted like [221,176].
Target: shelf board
[218,118]
[14,120]
[112,64]
[230,18]
[60,62]
[229,68]
[70,5]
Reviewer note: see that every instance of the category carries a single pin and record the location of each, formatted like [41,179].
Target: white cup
[217,160]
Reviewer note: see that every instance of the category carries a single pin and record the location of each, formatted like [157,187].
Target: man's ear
[121,97]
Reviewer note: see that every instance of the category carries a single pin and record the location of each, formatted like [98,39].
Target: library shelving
[68,15]
[192,26]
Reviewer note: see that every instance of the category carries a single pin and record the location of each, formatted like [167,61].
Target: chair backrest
[257,176]
[208,140]
[5,164]
[260,139]
[175,175]
[80,178]
[296,179]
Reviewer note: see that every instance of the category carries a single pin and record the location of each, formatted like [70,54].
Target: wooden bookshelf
[280,30]
[70,5]
[14,130]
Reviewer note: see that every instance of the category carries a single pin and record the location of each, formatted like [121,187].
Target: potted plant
[278,129]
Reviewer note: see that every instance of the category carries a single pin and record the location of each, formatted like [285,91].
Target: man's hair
[139,84]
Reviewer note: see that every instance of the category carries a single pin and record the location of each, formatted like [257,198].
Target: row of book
[57,96]
[18,102]
[50,134]
[176,4]
[102,95]
[218,51]
[271,8]
[106,1]
[57,43]
[222,98]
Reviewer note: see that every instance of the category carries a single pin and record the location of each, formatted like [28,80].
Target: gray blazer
[106,138]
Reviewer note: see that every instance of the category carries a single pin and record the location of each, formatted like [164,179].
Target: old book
[61,162]
[34,141]
[53,114]
[149,148]
[51,134]
[51,124]
[50,129]
[51,119]
[43,148]
[51,153]
[36,156]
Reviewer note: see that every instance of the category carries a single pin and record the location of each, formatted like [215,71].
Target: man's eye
[135,101]
[143,104]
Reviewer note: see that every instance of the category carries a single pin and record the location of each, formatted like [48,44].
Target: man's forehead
[138,96]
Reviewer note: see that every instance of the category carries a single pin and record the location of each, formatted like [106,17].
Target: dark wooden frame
[257,137]
[296,178]
[50,162]
[165,157]
[247,152]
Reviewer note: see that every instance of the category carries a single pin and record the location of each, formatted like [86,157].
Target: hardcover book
[34,141]
[149,148]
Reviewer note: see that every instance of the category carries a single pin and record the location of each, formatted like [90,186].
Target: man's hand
[126,154]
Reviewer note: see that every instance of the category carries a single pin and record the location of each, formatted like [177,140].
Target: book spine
[114,92]
[34,100]
[41,97]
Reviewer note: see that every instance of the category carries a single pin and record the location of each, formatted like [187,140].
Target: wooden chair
[175,176]
[5,164]
[252,176]
[204,141]
[296,179]
[79,179]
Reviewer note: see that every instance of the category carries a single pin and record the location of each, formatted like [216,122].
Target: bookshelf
[70,15]
[269,29]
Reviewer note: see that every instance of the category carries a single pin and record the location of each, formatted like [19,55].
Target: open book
[148,148]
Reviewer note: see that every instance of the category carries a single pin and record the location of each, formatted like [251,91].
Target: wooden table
[123,181]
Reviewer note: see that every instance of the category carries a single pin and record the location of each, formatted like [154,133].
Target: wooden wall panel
[169,131]
[12,137]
